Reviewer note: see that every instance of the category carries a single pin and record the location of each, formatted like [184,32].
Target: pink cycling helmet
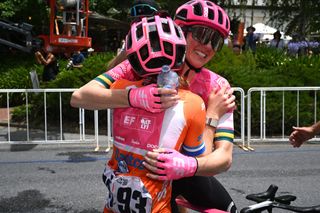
[153,42]
[203,12]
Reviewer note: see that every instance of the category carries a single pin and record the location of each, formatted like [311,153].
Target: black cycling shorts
[204,192]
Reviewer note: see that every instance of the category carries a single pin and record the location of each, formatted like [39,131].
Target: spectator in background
[277,42]
[76,60]
[50,63]
[303,47]
[300,135]
[298,46]
[293,45]
[251,39]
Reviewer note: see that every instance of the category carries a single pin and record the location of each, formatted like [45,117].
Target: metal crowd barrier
[100,139]
[263,137]
[8,131]
[24,134]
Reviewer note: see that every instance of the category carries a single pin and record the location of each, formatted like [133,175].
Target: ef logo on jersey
[129,120]
[145,123]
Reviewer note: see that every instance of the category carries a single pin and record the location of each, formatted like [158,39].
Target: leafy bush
[14,71]
[271,68]
[267,68]
[16,75]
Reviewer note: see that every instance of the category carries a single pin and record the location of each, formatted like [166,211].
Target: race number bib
[126,193]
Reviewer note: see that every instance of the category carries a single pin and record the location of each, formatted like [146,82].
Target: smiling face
[198,54]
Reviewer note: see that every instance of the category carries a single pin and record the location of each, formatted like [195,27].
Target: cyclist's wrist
[197,166]
[128,97]
[213,115]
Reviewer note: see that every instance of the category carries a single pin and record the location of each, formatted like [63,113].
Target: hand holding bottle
[146,98]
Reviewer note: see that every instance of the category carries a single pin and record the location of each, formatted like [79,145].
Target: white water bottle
[168,78]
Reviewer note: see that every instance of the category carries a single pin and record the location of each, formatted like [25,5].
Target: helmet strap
[197,70]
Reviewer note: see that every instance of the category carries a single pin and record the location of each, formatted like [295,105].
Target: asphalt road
[66,178]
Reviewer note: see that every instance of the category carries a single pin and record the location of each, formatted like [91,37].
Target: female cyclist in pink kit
[205,26]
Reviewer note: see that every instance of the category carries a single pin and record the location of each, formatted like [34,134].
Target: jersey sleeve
[225,128]
[193,144]
[121,71]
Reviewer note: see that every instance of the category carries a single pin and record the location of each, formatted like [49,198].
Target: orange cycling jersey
[137,131]
[202,84]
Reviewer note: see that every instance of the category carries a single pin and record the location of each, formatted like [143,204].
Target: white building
[252,13]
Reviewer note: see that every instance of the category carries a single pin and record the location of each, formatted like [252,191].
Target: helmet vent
[144,52]
[154,39]
[156,62]
[177,32]
[150,19]
[139,32]
[168,48]
[182,14]
[209,3]
[227,23]
[211,14]
[134,61]
[220,17]
[180,56]
[166,27]
[197,9]
[129,41]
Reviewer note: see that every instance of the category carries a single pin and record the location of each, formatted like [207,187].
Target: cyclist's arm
[216,162]
[94,96]
[220,102]
[220,159]
[219,141]
[97,95]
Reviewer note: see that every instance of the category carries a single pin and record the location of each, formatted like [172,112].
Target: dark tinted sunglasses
[142,10]
[204,35]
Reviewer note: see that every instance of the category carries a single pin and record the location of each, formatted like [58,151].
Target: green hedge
[14,72]
[272,68]
[267,68]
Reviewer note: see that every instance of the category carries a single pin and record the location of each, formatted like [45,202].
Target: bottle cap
[165,68]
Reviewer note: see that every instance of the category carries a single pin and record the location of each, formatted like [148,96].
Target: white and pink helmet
[153,42]
[203,12]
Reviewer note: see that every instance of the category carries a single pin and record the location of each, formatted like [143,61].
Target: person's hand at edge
[300,135]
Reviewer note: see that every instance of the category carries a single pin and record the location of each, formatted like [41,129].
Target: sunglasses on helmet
[204,35]
[142,10]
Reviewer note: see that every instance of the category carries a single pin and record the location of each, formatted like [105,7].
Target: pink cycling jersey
[202,84]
